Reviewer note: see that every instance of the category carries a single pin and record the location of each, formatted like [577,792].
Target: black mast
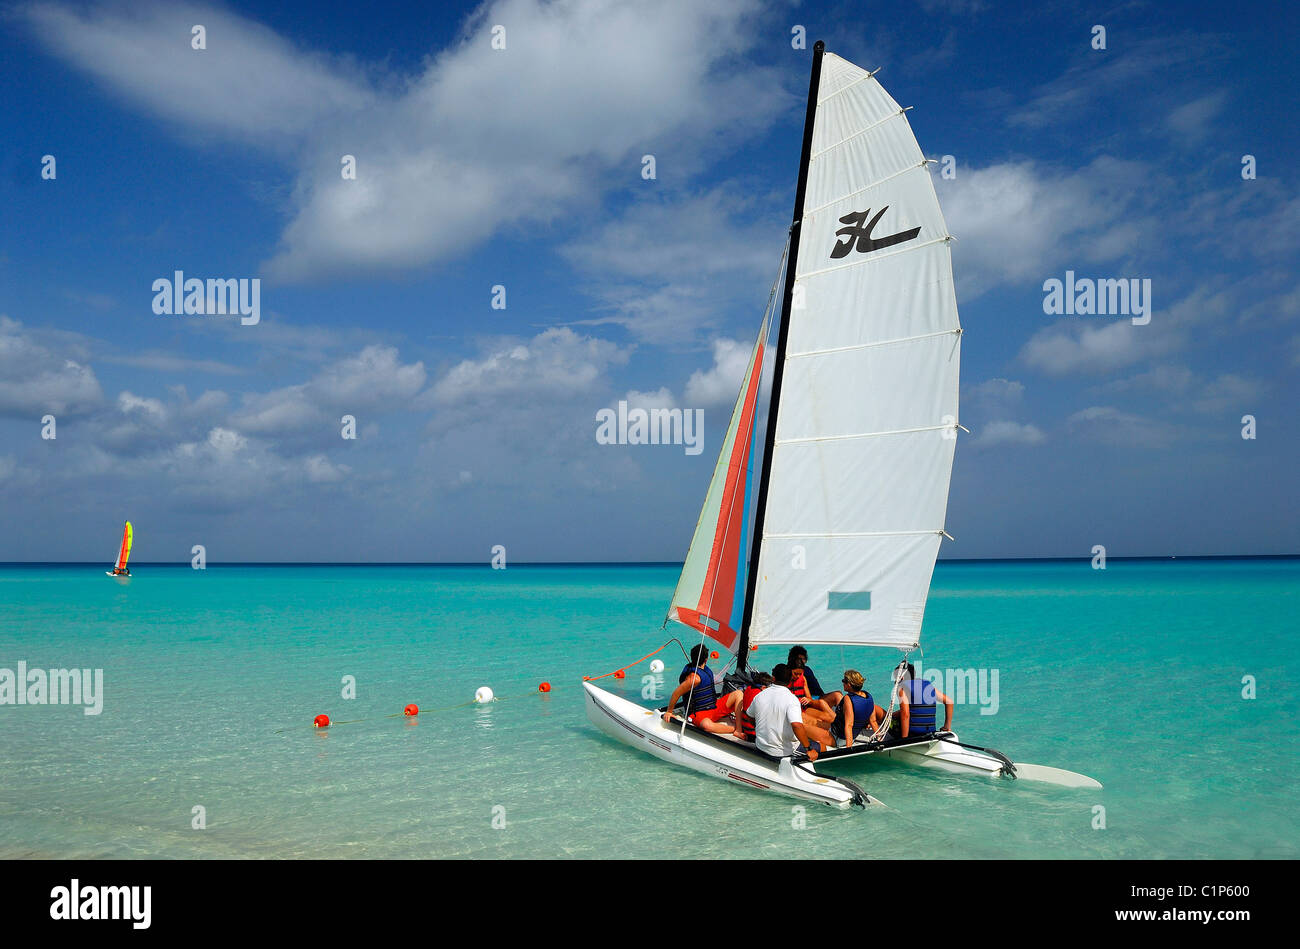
[792,262]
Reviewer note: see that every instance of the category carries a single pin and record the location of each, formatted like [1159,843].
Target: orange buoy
[714,654]
[619,675]
[322,721]
[411,709]
[753,649]
[544,687]
[586,678]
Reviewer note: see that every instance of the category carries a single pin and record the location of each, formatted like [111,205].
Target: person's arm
[947,710]
[686,685]
[904,715]
[736,702]
[802,734]
[814,687]
[847,704]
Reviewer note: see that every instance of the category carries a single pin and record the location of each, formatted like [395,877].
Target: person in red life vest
[779,729]
[695,687]
[917,701]
[856,712]
[806,688]
[739,701]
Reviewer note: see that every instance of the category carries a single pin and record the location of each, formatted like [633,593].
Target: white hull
[645,729]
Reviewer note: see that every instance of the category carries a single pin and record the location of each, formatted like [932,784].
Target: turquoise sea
[1132,674]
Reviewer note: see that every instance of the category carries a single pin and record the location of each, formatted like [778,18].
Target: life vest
[862,709]
[798,684]
[703,697]
[747,725]
[921,700]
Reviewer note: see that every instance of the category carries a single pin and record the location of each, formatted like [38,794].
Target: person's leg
[833,699]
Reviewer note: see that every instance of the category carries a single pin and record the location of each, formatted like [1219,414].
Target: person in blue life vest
[695,687]
[918,700]
[856,710]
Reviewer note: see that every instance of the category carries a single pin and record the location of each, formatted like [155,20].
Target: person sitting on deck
[739,702]
[917,701]
[806,688]
[695,687]
[779,728]
[856,711]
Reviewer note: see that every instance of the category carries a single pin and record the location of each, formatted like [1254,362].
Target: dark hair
[699,654]
[797,652]
[911,671]
[764,679]
[781,674]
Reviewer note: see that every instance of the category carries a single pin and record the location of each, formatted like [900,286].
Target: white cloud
[556,363]
[661,398]
[720,383]
[1017,223]
[35,380]
[373,380]
[480,141]
[1009,433]
[1109,425]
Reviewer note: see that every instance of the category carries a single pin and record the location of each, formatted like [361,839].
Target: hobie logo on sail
[858,232]
[215,297]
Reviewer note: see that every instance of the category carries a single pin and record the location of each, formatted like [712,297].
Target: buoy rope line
[413,710]
[616,672]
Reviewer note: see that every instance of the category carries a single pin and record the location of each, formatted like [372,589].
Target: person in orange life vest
[695,687]
[739,701]
[806,688]
[917,699]
[856,712]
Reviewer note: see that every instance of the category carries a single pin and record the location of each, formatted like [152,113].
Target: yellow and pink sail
[124,552]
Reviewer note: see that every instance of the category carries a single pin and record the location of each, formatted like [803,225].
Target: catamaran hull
[938,755]
[946,754]
[645,730]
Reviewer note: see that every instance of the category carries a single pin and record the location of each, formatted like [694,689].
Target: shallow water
[1133,675]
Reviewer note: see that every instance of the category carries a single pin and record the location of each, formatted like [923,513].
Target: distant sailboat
[123,554]
[862,426]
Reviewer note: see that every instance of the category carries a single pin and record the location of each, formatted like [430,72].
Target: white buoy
[484,694]
[657,665]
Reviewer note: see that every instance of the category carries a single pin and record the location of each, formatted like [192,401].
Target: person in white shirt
[779,727]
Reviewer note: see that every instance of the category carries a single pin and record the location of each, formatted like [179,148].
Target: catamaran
[834,542]
[123,554]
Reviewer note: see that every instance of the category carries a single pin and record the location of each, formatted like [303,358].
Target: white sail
[867,408]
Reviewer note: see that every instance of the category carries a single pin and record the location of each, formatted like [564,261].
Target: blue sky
[522,167]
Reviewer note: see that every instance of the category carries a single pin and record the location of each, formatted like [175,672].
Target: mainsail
[865,394]
[849,505]
[125,552]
